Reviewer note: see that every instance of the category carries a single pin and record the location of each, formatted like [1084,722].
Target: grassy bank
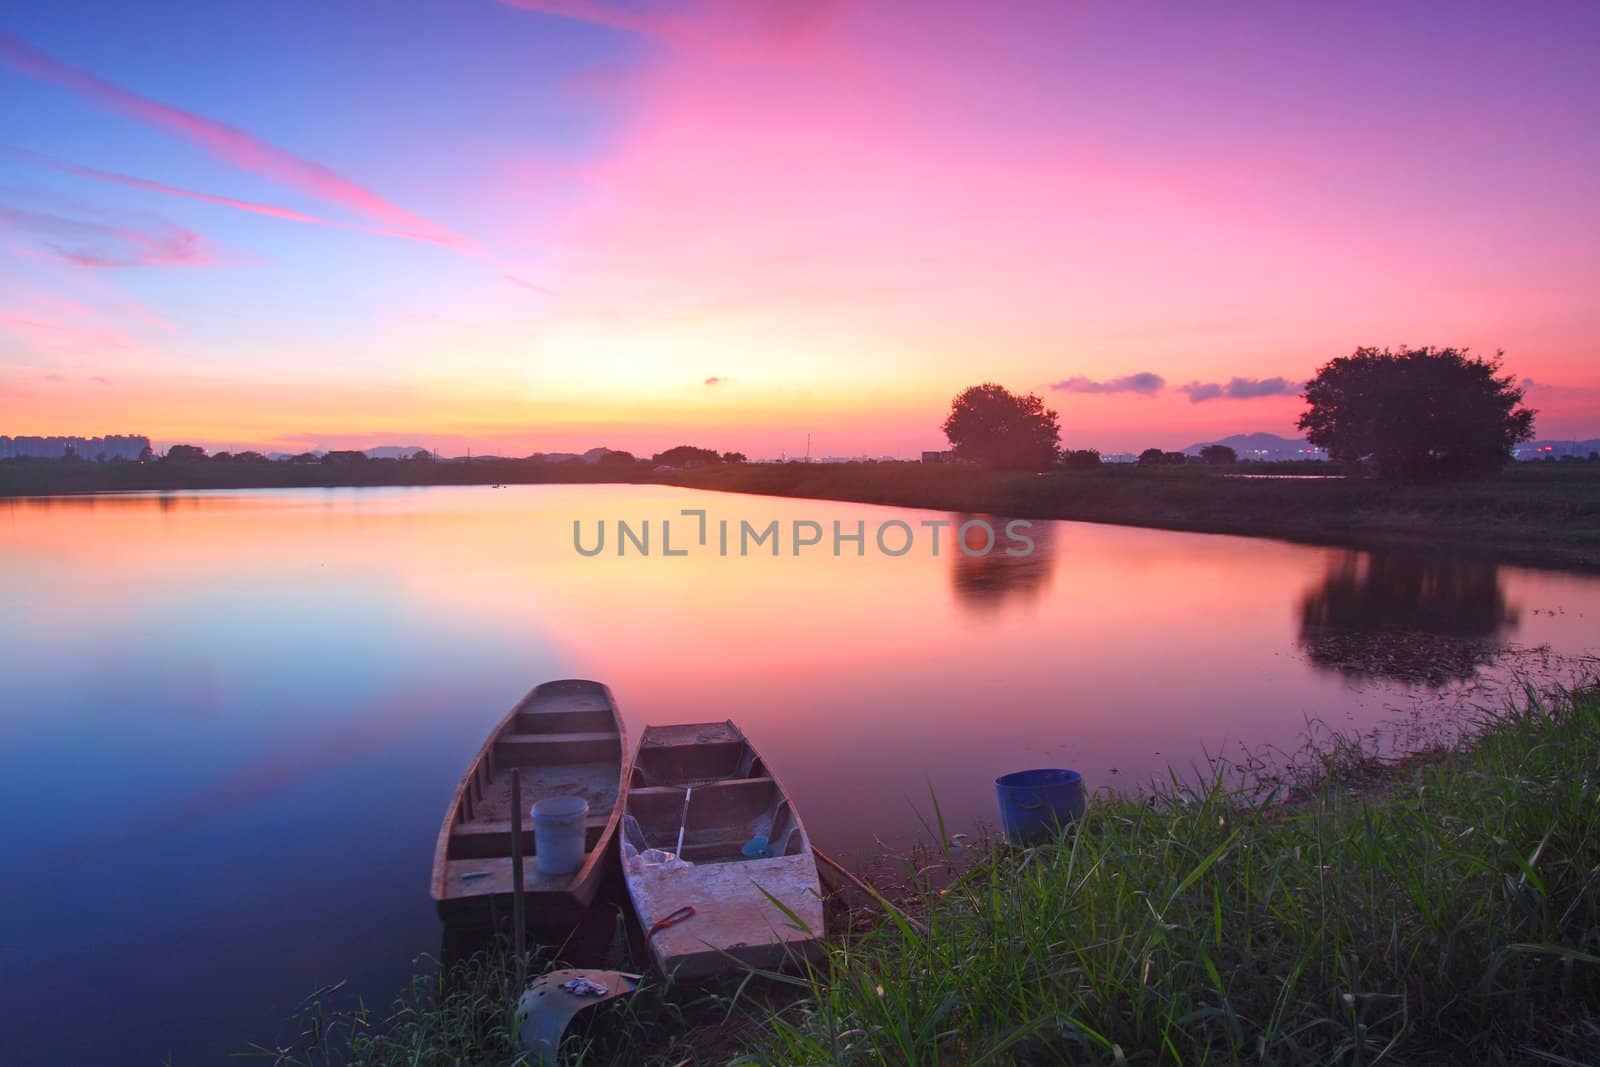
[1453,917]
[1535,513]
[1445,910]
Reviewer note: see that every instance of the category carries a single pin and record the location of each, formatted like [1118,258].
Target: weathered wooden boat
[568,739]
[702,794]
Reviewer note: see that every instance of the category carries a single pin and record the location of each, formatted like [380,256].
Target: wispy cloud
[530,286]
[59,335]
[717,380]
[1240,389]
[746,31]
[132,182]
[100,244]
[1145,383]
[228,143]
[55,325]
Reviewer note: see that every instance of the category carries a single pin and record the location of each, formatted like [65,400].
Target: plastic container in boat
[1035,805]
[558,834]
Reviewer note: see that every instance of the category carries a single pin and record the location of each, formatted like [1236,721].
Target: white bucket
[558,834]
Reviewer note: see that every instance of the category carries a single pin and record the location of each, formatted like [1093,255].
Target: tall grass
[1453,918]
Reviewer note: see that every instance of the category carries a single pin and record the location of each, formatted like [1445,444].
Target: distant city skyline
[539,225]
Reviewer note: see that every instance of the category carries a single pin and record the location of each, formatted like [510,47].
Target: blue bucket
[1036,805]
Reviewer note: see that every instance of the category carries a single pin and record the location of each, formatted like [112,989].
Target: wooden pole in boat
[519,918]
[684,824]
[868,890]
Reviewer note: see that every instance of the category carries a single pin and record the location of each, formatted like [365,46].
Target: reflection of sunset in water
[293,681]
[988,580]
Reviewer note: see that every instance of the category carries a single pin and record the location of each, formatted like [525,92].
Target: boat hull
[749,895]
[563,738]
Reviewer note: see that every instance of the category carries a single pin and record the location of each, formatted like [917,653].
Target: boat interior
[732,799]
[566,742]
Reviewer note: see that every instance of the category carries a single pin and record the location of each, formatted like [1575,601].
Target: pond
[230,722]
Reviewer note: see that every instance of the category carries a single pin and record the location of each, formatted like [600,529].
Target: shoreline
[1536,515]
[1547,517]
[1189,926]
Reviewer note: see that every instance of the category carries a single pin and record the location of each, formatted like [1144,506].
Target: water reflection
[985,581]
[1406,617]
[288,684]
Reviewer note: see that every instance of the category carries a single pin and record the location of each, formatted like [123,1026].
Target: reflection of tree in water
[984,582]
[1406,617]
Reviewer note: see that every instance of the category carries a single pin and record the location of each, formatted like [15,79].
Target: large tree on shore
[1417,415]
[989,424]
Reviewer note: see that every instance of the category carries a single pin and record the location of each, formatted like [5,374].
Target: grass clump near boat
[1451,917]
[463,1014]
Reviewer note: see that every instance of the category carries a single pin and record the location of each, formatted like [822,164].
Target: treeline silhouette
[185,467]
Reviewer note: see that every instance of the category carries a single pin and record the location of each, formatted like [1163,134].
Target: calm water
[229,723]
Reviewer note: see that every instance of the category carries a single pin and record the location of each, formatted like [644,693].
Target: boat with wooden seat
[702,794]
[567,738]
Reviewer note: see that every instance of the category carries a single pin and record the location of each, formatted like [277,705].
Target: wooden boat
[715,914]
[567,738]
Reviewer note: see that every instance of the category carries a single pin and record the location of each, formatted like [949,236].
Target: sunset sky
[554,224]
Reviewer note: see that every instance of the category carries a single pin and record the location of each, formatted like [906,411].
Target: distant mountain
[1263,446]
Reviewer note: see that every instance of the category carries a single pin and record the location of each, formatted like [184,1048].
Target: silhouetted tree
[249,457]
[734,457]
[617,458]
[344,456]
[185,454]
[1080,458]
[1419,414]
[990,425]
[1594,457]
[687,456]
[222,457]
[1219,455]
[1152,457]
[305,457]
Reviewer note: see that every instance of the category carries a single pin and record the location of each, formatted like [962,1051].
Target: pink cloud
[270,210]
[530,286]
[921,194]
[228,143]
[100,244]
[740,31]
[58,324]
[46,334]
